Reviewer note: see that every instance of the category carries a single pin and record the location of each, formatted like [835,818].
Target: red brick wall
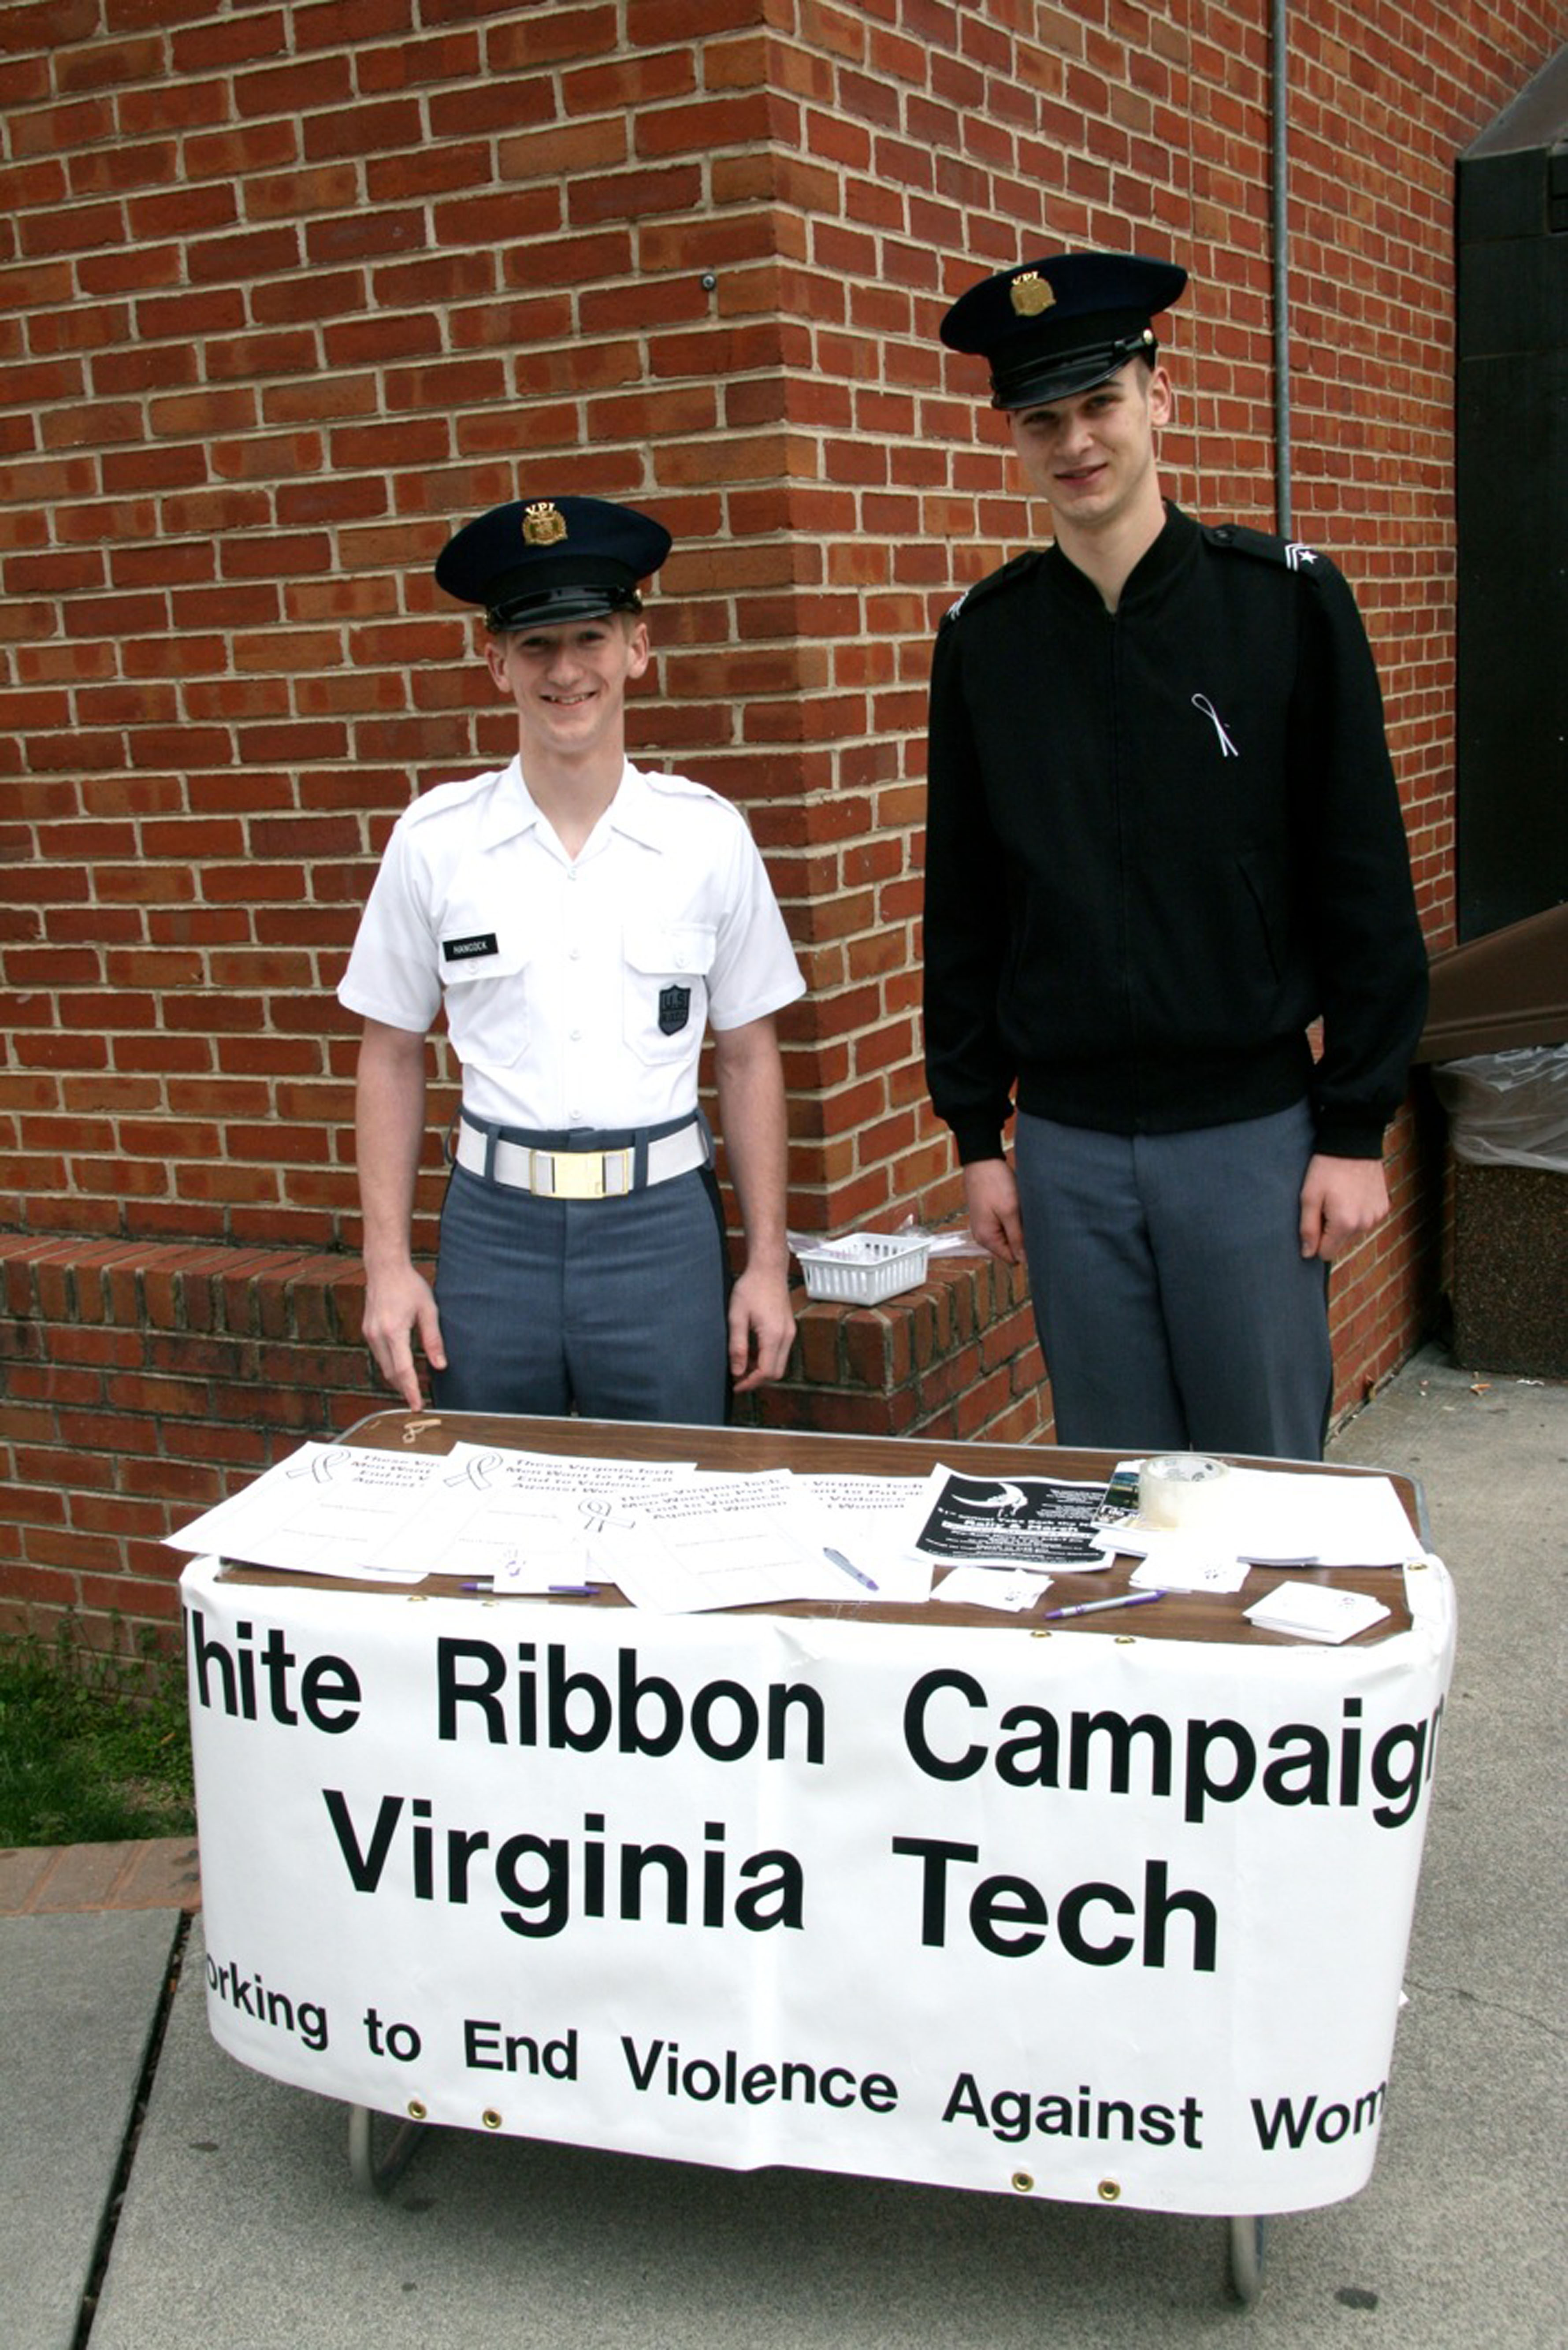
[291,289]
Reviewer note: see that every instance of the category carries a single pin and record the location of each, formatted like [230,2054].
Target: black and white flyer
[1028,1522]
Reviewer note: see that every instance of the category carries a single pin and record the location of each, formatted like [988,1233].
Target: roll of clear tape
[1181,1489]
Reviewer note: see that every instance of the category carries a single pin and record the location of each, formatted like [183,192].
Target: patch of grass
[94,1748]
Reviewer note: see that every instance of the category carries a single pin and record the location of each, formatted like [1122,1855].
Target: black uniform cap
[1055,327]
[539,561]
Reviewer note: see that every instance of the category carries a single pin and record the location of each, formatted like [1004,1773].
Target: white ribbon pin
[1227,748]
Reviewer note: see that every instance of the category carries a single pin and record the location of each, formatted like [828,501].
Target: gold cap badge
[543,523]
[1030,294]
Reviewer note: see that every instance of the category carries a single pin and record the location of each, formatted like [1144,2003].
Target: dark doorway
[1511,469]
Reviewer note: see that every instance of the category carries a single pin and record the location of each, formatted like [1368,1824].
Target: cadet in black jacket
[1163,839]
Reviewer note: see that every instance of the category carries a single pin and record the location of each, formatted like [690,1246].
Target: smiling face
[568,685]
[1092,455]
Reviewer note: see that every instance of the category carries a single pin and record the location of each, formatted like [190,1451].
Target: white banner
[1096,1918]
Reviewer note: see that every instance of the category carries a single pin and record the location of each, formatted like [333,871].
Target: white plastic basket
[864,1267]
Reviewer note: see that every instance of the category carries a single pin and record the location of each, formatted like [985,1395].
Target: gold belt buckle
[582,1174]
[574,1174]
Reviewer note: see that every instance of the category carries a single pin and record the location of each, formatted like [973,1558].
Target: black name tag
[483,942]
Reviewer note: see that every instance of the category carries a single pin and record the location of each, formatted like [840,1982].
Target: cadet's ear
[495,660]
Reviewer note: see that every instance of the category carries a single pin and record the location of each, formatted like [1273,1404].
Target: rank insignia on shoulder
[1262,546]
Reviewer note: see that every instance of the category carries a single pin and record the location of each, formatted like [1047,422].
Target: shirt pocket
[666,1003]
[485,973]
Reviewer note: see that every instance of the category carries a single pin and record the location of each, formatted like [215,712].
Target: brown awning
[1510,988]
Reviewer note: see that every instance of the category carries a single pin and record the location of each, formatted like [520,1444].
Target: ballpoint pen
[849,1568]
[554,1590]
[1093,1606]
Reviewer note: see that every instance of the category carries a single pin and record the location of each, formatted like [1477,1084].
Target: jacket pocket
[1264,887]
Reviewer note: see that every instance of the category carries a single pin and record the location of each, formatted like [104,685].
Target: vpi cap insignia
[1059,326]
[543,523]
[540,561]
[1030,294]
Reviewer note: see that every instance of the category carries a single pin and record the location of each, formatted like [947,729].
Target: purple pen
[1093,1606]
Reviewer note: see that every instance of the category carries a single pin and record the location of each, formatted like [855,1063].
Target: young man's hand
[397,1308]
[1342,1199]
[762,1328]
[990,1196]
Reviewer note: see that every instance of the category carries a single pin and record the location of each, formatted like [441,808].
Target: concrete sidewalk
[224,2213]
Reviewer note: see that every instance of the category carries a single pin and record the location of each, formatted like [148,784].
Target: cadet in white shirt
[585,922]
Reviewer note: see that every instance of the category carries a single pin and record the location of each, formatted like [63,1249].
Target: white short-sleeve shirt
[577,991]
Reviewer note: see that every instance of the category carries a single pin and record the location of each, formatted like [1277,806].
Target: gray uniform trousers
[1174,1310]
[611,1308]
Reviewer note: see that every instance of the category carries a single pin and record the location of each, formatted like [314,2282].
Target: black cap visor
[1030,377]
[584,589]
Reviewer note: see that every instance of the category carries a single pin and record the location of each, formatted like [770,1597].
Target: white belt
[589,1174]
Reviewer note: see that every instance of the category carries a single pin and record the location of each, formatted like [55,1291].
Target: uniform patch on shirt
[674,1010]
[482,942]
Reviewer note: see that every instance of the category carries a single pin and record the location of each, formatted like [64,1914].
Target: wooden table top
[1179,1616]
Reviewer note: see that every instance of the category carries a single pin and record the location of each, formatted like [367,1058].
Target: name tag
[483,942]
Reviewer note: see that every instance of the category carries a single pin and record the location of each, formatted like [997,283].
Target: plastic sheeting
[1509,1109]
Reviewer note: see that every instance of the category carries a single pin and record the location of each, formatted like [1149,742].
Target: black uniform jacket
[1162,842]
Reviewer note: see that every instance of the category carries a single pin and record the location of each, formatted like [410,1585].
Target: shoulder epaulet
[680,787]
[1235,539]
[438,799]
[992,582]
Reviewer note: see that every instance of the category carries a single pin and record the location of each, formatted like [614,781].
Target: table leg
[1245,2249]
[378,2173]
